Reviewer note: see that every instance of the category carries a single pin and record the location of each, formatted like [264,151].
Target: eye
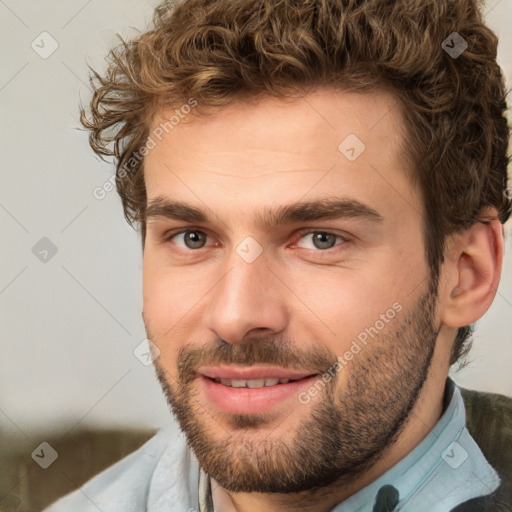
[192,239]
[322,240]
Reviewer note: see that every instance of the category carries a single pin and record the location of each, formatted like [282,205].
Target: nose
[248,299]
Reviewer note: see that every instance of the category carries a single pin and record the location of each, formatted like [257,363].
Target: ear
[472,272]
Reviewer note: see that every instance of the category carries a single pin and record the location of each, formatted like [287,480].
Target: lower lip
[251,400]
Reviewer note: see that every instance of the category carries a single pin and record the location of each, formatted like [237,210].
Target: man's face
[344,301]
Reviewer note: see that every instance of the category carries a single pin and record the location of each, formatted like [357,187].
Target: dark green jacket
[489,421]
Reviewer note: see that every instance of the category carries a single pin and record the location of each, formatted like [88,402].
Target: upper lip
[253,372]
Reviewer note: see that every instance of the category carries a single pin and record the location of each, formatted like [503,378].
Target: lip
[253,372]
[251,400]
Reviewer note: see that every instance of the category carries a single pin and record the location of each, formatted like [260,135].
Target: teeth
[254,383]
[235,383]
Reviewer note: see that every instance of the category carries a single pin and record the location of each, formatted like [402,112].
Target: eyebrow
[325,208]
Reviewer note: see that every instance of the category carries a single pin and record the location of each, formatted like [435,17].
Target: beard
[348,428]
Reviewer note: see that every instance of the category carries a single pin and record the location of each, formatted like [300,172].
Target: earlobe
[472,273]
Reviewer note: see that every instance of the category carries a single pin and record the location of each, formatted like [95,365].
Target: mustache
[267,350]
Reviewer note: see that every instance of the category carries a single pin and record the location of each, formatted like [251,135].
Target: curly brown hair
[216,51]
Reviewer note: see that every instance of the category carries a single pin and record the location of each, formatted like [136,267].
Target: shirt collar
[444,470]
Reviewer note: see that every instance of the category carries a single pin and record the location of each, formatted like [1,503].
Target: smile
[253,383]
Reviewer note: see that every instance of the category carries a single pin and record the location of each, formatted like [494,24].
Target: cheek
[173,303]
[157,295]
[351,304]
[163,306]
[344,301]
[167,291]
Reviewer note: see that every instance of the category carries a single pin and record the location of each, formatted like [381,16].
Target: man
[321,187]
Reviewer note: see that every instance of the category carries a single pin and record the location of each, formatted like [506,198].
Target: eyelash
[301,234]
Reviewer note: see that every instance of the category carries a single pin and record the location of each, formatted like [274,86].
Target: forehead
[277,151]
[317,122]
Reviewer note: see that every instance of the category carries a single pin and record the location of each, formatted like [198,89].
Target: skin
[302,303]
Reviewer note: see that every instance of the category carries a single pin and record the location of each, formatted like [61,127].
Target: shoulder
[489,421]
[125,485]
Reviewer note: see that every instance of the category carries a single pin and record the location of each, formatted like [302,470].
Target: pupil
[194,239]
[320,238]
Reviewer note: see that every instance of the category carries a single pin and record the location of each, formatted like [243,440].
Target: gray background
[70,324]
